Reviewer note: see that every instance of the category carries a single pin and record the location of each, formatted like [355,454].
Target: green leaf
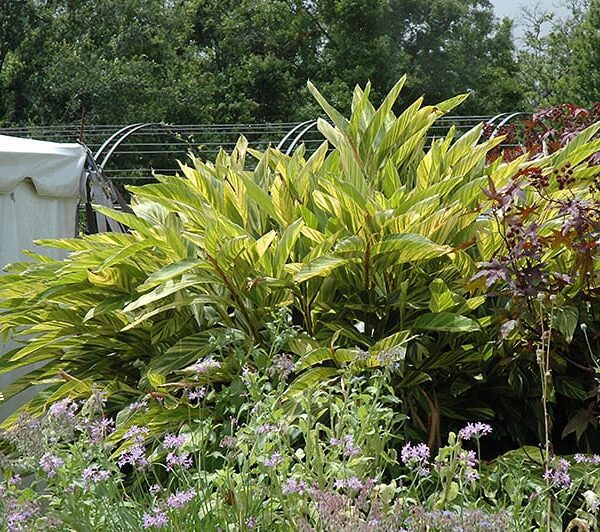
[441,297]
[445,321]
[312,377]
[565,320]
[338,119]
[407,247]
[320,267]
[155,379]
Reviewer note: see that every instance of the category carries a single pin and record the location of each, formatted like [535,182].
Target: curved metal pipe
[299,136]
[506,120]
[127,134]
[290,133]
[111,138]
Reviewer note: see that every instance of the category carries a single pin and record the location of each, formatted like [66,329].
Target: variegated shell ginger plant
[369,242]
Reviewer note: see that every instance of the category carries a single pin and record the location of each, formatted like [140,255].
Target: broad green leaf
[441,297]
[320,267]
[445,321]
[565,320]
[406,247]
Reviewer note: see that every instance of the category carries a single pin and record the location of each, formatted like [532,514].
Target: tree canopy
[122,61]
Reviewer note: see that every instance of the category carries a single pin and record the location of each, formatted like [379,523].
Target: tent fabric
[54,169]
[26,216]
[39,193]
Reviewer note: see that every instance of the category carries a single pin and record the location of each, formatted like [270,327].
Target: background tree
[122,61]
[557,58]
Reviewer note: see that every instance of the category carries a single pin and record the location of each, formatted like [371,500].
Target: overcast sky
[514,8]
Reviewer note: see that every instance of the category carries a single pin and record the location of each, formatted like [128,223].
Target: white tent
[39,192]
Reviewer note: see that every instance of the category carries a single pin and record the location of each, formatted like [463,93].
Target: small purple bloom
[251,523]
[154,489]
[274,460]
[204,366]
[15,479]
[175,442]
[468,458]
[197,394]
[265,429]
[64,408]
[183,460]
[136,406]
[50,463]
[474,430]
[292,485]
[137,434]
[282,366]
[156,519]
[415,453]
[558,474]
[351,483]
[354,483]
[134,455]
[471,474]
[100,429]
[180,499]
[349,448]
[93,473]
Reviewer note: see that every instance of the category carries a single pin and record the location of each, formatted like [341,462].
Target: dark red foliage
[545,132]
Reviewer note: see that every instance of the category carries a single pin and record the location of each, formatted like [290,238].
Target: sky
[514,8]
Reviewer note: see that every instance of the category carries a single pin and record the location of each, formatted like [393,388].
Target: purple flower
[204,366]
[136,406]
[274,460]
[135,456]
[251,523]
[156,519]
[197,394]
[50,463]
[154,489]
[474,430]
[354,483]
[585,459]
[347,444]
[93,473]
[418,453]
[292,485]
[468,458]
[180,499]
[282,366]
[183,460]
[558,474]
[15,479]
[137,434]
[351,483]
[265,429]
[100,429]
[175,442]
[65,408]
[471,474]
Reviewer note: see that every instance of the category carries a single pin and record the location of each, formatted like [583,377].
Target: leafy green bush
[370,243]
